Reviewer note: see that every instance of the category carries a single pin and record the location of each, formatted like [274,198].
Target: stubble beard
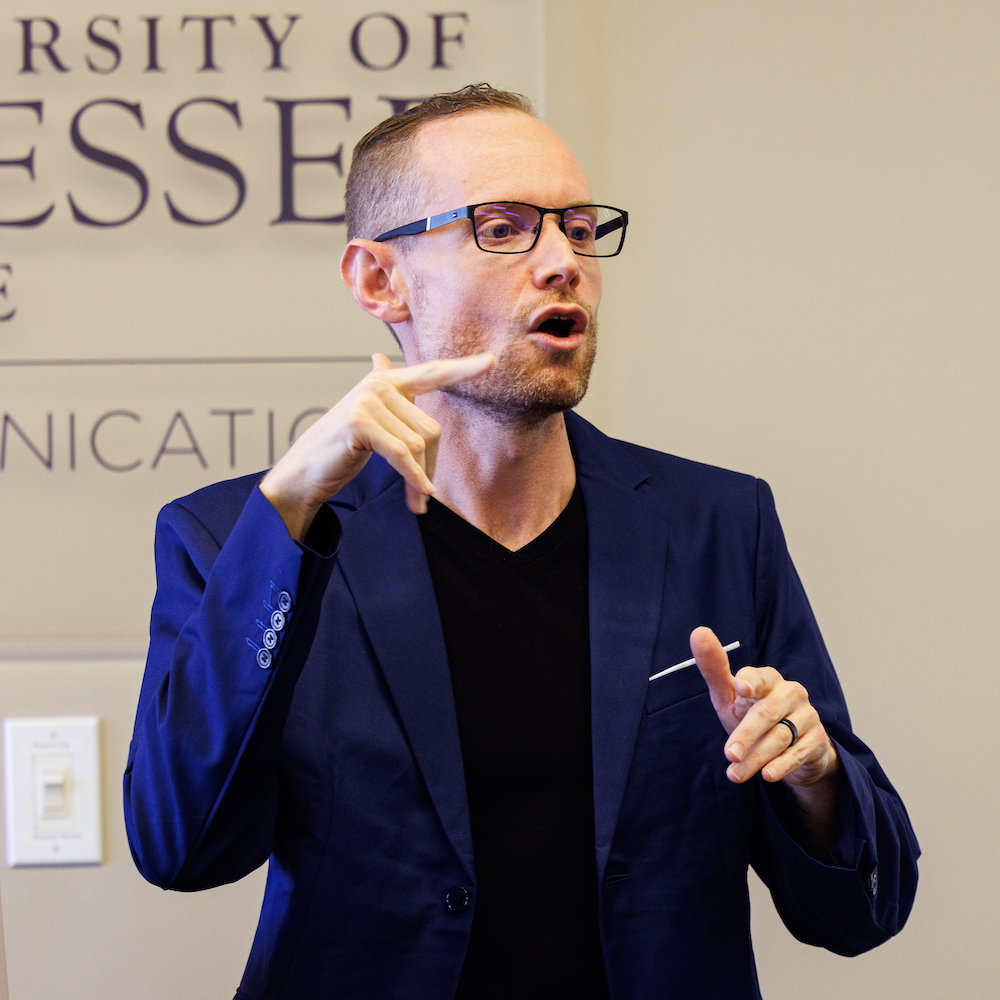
[523,388]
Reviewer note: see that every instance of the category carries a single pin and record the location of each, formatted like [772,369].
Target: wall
[809,294]
[3,960]
[100,932]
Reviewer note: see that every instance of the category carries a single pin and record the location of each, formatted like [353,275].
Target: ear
[370,271]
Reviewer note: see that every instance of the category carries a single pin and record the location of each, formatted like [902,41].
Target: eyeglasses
[514,227]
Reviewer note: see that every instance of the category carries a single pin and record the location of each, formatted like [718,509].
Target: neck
[510,480]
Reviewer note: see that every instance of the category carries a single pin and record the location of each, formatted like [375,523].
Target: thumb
[713,663]
[380,363]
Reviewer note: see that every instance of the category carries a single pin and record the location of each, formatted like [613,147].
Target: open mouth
[558,326]
[562,322]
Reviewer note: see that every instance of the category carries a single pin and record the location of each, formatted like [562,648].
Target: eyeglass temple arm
[425,225]
[609,227]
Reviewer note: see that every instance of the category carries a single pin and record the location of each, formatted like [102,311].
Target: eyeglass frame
[468,212]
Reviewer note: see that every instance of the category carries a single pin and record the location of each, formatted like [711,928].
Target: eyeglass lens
[510,227]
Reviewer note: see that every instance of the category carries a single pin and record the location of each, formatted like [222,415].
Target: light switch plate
[52,783]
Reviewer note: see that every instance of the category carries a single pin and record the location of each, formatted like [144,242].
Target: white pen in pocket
[692,661]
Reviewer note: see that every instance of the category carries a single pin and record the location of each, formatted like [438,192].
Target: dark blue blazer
[340,760]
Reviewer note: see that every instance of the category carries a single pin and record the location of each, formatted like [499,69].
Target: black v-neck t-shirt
[516,629]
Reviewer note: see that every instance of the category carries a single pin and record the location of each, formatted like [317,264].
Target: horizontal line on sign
[319,359]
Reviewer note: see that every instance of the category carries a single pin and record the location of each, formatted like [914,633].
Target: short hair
[383,187]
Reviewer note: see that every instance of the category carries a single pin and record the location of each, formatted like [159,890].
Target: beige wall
[809,293]
[100,932]
[3,960]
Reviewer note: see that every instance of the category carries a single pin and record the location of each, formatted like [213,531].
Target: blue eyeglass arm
[426,225]
[436,221]
[610,227]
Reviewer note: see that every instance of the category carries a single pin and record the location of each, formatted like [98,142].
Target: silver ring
[791,729]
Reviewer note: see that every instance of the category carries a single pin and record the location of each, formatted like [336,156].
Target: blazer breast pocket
[673,688]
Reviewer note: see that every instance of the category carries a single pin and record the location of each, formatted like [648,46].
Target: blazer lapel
[627,540]
[383,560]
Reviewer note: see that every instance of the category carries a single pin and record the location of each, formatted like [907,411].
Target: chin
[514,391]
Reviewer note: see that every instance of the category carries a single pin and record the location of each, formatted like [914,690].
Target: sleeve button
[457,898]
[270,639]
[278,621]
[263,658]
[284,602]
[872,884]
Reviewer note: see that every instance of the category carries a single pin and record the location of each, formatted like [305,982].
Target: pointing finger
[431,375]
[713,663]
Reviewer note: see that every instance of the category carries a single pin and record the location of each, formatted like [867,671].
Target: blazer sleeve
[200,783]
[860,894]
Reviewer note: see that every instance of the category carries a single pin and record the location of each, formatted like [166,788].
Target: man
[423,665]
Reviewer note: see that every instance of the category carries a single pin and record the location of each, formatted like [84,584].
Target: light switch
[53,774]
[52,781]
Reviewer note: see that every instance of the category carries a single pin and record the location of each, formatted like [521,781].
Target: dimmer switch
[53,776]
[52,779]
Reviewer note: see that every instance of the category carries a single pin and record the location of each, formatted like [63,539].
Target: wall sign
[171,220]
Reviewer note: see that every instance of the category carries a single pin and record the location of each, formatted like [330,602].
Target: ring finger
[772,746]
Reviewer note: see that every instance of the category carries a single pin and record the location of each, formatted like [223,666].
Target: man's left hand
[750,706]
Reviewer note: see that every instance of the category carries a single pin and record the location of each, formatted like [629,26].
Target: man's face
[535,311]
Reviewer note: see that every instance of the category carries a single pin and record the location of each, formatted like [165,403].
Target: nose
[553,261]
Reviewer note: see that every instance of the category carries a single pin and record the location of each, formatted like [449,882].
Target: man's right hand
[377,416]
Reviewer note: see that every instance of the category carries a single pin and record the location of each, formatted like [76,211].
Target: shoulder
[211,513]
[679,483]
[214,509]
